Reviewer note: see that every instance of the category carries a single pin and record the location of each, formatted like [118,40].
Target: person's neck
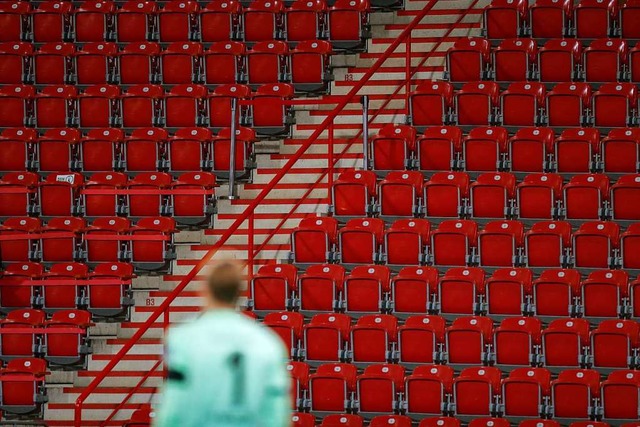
[219,306]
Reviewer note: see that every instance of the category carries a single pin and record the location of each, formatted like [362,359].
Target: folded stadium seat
[460,291]
[453,242]
[392,148]
[320,288]
[539,423]
[301,419]
[387,420]
[113,298]
[595,243]
[99,106]
[614,344]
[68,348]
[185,105]
[15,20]
[595,19]
[61,238]
[136,21]
[373,339]
[19,239]
[507,292]
[530,149]
[178,21]
[556,293]
[573,392]
[313,240]
[52,21]
[446,194]
[624,196]
[489,422]
[348,27]
[379,389]
[406,242]
[342,420]
[55,107]
[500,244]
[577,150]
[525,392]
[604,293]
[311,65]
[477,104]
[220,21]
[142,106]
[521,104]
[421,339]
[189,149]
[94,21]
[634,64]
[268,62]
[326,337]
[514,60]
[101,150]
[550,19]
[505,19]
[139,63]
[181,63]
[468,339]
[399,194]
[18,146]
[354,193]
[539,196]
[564,343]
[97,63]
[306,20]
[605,60]
[585,196]
[96,204]
[568,104]
[484,149]
[428,390]
[469,60]
[629,254]
[220,103]
[331,387]
[615,105]
[431,104]
[263,20]
[366,289]
[559,60]
[54,63]
[440,422]
[492,195]
[270,113]
[18,195]
[245,156]
[15,62]
[24,343]
[16,105]
[225,63]
[22,388]
[152,247]
[18,296]
[439,148]
[105,240]
[66,295]
[288,326]
[59,194]
[194,209]
[412,289]
[360,241]
[140,204]
[144,150]
[517,342]
[619,394]
[475,390]
[621,151]
[272,288]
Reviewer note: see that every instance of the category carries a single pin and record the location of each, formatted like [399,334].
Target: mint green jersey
[224,370]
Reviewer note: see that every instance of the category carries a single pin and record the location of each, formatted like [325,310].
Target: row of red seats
[308,66]
[514,60]
[491,195]
[148,245]
[467,341]
[460,290]
[346,23]
[558,18]
[109,149]
[104,292]
[143,106]
[23,391]
[457,243]
[524,104]
[443,148]
[436,390]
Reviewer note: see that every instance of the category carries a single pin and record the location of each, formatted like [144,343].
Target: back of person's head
[225,283]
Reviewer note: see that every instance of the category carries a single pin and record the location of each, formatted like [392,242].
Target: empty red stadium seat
[452,242]
[16,105]
[63,346]
[603,293]
[342,420]
[604,60]
[469,60]
[349,24]
[366,288]
[567,104]
[563,342]
[155,254]
[390,420]
[475,389]
[431,103]
[94,21]
[189,149]
[399,193]
[313,240]
[263,20]
[615,104]
[67,295]
[440,422]
[272,287]
[467,339]
[220,21]
[360,241]
[500,243]
[412,288]
[595,18]
[113,298]
[524,392]
[584,196]
[484,149]
[438,148]
[505,19]
[576,150]
[139,63]
[24,343]
[100,249]
[136,21]
[530,148]
[52,21]
[629,241]
[507,291]
[594,244]
[459,290]
[326,337]
[515,342]
[60,239]
[181,62]
[372,337]
[550,18]
[268,62]
[311,64]
[477,103]
[320,287]
[354,193]
[15,62]
[420,339]
[306,20]
[559,60]
[103,204]
[555,292]
[302,419]
[406,240]
[55,106]
[58,194]
[332,386]
[18,193]
[427,389]
[513,60]
[18,144]
[54,63]
[15,20]
[445,194]
[288,326]
[98,106]
[271,115]
[391,149]
[378,388]
[220,103]
[619,394]
[620,151]
[539,196]
[23,388]
[572,393]
[142,106]
[491,195]
[140,204]
[614,343]
[178,21]
[521,104]
[20,239]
